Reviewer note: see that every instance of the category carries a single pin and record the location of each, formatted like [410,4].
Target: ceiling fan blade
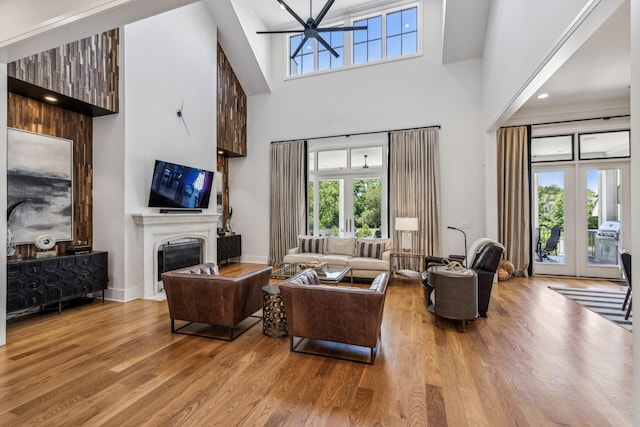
[295,15]
[280,32]
[327,45]
[304,40]
[333,29]
[324,11]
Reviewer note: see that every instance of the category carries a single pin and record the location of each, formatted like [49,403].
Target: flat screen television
[175,186]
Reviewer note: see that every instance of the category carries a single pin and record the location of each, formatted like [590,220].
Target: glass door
[554,220]
[346,207]
[603,195]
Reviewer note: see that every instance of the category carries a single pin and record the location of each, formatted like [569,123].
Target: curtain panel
[414,186]
[288,199]
[514,222]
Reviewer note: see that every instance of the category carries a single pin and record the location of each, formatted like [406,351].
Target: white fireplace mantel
[155,229]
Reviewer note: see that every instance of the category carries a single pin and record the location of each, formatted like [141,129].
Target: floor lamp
[465,243]
[406,225]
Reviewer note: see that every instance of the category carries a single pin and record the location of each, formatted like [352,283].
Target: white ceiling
[276,18]
[598,71]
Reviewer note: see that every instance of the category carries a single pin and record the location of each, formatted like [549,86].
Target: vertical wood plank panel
[232,110]
[39,117]
[86,70]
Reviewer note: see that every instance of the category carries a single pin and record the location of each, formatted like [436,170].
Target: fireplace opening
[174,255]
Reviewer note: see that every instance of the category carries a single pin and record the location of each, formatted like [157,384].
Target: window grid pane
[326,60]
[367,44]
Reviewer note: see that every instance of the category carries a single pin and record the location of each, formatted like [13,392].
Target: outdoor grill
[607,243]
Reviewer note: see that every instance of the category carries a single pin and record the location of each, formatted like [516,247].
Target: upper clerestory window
[391,34]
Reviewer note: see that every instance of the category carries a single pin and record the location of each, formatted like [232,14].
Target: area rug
[607,304]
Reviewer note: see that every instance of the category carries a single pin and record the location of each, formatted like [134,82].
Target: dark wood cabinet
[229,247]
[35,283]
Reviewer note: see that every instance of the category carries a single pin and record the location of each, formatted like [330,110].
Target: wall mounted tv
[175,186]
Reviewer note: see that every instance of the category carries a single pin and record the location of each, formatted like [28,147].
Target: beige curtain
[414,186]
[288,197]
[513,196]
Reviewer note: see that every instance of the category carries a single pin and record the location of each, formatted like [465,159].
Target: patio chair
[552,244]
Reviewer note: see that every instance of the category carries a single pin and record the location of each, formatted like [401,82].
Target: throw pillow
[341,245]
[311,244]
[370,250]
[205,270]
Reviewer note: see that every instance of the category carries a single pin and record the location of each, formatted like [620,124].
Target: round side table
[274,319]
[456,293]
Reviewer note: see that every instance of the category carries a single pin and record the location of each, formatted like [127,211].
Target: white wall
[168,59]
[520,36]
[407,93]
[109,188]
[635,184]
[29,27]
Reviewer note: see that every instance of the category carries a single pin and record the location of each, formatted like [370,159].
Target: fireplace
[180,254]
[155,230]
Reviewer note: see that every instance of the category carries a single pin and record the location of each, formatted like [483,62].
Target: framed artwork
[39,186]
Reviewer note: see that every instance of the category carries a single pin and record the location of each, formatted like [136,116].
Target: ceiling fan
[311,29]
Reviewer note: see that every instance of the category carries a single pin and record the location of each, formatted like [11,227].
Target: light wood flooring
[539,359]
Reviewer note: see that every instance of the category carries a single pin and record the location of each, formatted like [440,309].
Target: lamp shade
[407,224]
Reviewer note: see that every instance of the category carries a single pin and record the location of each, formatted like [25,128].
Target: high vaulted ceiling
[599,71]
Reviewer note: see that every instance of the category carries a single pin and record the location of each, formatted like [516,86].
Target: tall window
[347,187]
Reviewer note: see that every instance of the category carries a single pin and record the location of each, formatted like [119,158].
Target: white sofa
[367,257]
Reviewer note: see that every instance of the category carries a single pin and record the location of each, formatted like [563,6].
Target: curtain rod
[576,120]
[356,134]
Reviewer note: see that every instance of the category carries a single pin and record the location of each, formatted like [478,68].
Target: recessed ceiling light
[50,98]
[543,96]
[220,152]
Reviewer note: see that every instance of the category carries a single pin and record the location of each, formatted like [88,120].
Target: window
[367,44]
[326,60]
[390,35]
[551,148]
[347,187]
[402,32]
[304,60]
[604,145]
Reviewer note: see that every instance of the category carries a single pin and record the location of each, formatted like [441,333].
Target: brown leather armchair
[342,314]
[199,294]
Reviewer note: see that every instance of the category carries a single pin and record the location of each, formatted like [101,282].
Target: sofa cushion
[359,263]
[370,249]
[335,259]
[341,245]
[302,258]
[311,244]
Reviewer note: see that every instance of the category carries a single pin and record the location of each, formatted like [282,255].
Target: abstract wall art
[39,186]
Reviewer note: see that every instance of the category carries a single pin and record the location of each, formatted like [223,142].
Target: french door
[580,217]
[347,205]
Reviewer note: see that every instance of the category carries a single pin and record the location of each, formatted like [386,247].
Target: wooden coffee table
[331,274]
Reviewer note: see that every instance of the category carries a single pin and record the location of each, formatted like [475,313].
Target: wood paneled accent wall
[86,70]
[222,163]
[232,110]
[39,117]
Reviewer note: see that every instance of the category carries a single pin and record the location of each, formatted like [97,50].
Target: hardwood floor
[539,359]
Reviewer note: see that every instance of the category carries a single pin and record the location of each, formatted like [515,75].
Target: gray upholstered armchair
[342,314]
[199,294]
